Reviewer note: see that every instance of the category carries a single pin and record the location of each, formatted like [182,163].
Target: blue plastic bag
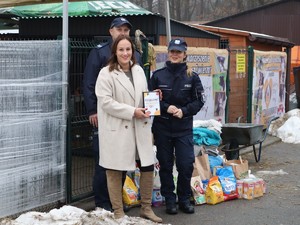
[214,161]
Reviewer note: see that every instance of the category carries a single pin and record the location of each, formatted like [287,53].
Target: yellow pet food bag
[214,192]
[130,193]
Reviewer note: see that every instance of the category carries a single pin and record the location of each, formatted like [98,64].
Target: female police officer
[182,93]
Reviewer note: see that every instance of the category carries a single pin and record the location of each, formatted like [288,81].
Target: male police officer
[97,59]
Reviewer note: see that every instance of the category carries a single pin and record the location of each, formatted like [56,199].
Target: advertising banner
[269,76]
[211,65]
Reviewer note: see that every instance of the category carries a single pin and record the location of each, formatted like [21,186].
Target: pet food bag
[214,192]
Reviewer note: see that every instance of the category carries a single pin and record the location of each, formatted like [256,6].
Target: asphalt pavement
[280,205]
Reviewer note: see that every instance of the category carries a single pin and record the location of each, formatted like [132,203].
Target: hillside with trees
[200,10]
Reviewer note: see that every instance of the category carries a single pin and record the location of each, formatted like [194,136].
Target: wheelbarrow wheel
[233,152]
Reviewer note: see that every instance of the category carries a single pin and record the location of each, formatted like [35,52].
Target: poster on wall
[211,65]
[269,75]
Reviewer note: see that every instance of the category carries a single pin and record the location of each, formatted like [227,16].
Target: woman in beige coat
[124,126]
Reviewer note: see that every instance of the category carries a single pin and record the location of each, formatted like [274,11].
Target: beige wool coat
[121,135]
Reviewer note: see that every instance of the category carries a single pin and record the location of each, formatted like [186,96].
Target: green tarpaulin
[83,8]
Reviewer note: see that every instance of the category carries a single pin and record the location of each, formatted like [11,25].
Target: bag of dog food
[214,192]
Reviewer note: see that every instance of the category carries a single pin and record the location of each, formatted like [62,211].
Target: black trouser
[99,180]
[183,149]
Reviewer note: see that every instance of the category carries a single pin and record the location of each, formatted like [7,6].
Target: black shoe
[126,208]
[186,207]
[171,209]
[107,207]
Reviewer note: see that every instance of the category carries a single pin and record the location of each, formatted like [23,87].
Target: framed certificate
[151,102]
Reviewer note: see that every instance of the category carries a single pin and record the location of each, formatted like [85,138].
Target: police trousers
[181,151]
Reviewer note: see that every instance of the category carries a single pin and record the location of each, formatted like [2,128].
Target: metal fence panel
[32,156]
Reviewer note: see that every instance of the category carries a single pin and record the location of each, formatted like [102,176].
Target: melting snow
[70,215]
[287,127]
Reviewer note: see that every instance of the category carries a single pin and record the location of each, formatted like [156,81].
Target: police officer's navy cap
[177,44]
[119,21]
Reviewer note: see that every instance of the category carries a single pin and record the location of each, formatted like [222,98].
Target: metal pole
[65,57]
[168,26]
[250,81]
[287,79]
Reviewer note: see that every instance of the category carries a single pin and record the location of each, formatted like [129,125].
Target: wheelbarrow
[236,136]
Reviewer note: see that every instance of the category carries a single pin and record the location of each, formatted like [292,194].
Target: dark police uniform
[171,133]
[96,60]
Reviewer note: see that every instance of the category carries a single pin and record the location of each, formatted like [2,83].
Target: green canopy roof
[81,8]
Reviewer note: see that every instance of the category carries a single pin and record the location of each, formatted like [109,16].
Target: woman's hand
[175,111]
[172,109]
[160,93]
[140,113]
[178,114]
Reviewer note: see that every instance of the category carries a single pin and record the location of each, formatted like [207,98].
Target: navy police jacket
[181,90]
[96,60]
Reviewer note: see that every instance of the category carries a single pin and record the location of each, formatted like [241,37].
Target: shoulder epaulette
[194,73]
[102,45]
[155,71]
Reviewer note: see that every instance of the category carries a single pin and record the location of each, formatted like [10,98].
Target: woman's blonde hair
[189,72]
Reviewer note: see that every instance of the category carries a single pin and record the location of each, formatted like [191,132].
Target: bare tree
[150,5]
[203,10]
[189,9]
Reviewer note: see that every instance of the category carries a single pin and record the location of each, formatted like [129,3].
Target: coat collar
[125,82]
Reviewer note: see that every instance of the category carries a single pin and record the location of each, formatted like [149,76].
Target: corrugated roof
[252,36]
[279,19]
[211,23]
[77,9]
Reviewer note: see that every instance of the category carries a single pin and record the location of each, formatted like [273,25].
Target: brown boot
[114,185]
[146,188]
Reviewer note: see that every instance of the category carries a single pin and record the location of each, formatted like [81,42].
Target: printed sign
[269,74]
[211,65]
[240,63]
